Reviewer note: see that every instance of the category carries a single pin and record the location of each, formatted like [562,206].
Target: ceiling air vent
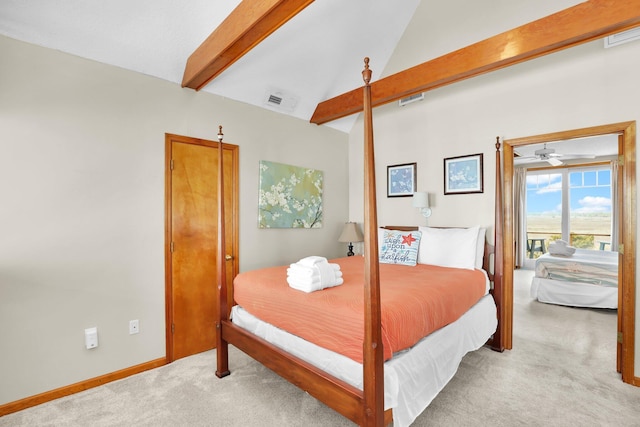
[273,99]
[623,37]
[410,99]
[280,100]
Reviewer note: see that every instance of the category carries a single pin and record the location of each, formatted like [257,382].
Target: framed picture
[463,174]
[401,180]
[289,196]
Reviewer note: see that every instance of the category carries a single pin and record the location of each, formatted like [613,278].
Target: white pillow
[480,246]
[449,247]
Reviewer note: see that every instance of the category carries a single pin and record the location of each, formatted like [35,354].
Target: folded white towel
[560,248]
[303,270]
[315,275]
[310,261]
[314,279]
[310,287]
[300,266]
[327,273]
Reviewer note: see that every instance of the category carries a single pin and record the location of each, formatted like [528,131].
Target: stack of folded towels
[313,273]
[560,248]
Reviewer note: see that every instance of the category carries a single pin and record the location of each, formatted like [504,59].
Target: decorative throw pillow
[449,247]
[398,247]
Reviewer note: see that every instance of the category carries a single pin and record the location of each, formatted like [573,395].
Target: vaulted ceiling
[305,54]
[315,55]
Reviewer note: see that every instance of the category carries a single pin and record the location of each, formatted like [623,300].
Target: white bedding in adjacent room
[573,294]
[408,377]
[586,279]
[586,266]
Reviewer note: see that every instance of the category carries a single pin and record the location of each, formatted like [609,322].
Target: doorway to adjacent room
[627,221]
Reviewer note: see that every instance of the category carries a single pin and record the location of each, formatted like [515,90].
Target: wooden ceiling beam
[579,24]
[249,23]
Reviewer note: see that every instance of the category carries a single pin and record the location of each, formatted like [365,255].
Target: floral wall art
[290,196]
[401,180]
[463,174]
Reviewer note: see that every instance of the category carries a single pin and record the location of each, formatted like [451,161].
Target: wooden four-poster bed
[354,385]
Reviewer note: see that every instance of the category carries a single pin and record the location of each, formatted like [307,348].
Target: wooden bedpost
[498,291]
[222,347]
[373,359]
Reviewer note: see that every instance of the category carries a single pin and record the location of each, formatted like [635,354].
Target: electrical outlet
[134,327]
[91,338]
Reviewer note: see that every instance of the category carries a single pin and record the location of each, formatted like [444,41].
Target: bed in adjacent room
[587,278]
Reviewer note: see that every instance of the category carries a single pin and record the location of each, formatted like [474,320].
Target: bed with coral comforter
[415,301]
[431,317]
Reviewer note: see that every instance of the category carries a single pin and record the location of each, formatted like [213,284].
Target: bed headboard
[489,250]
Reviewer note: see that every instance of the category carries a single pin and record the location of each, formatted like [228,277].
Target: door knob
[228,257]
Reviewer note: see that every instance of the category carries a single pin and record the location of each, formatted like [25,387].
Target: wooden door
[191,240]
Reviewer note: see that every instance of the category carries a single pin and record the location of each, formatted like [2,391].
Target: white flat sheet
[586,279]
[599,268]
[410,383]
[573,294]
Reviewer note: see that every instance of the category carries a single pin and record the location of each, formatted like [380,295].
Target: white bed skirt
[409,381]
[573,294]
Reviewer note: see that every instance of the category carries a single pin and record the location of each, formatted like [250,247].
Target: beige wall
[82,208]
[581,87]
[438,28]
[81,182]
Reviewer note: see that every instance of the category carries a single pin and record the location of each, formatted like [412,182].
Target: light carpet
[561,372]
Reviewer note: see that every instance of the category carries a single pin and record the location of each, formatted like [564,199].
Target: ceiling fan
[550,156]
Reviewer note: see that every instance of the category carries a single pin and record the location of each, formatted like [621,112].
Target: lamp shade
[350,233]
[420,199]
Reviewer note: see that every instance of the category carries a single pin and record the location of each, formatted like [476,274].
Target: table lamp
[350,233]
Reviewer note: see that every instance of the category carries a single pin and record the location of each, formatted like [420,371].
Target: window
[544,205]
[590,207]
[572,204]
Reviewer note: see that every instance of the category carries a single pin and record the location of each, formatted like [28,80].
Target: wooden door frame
[168,267]
[627,263]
